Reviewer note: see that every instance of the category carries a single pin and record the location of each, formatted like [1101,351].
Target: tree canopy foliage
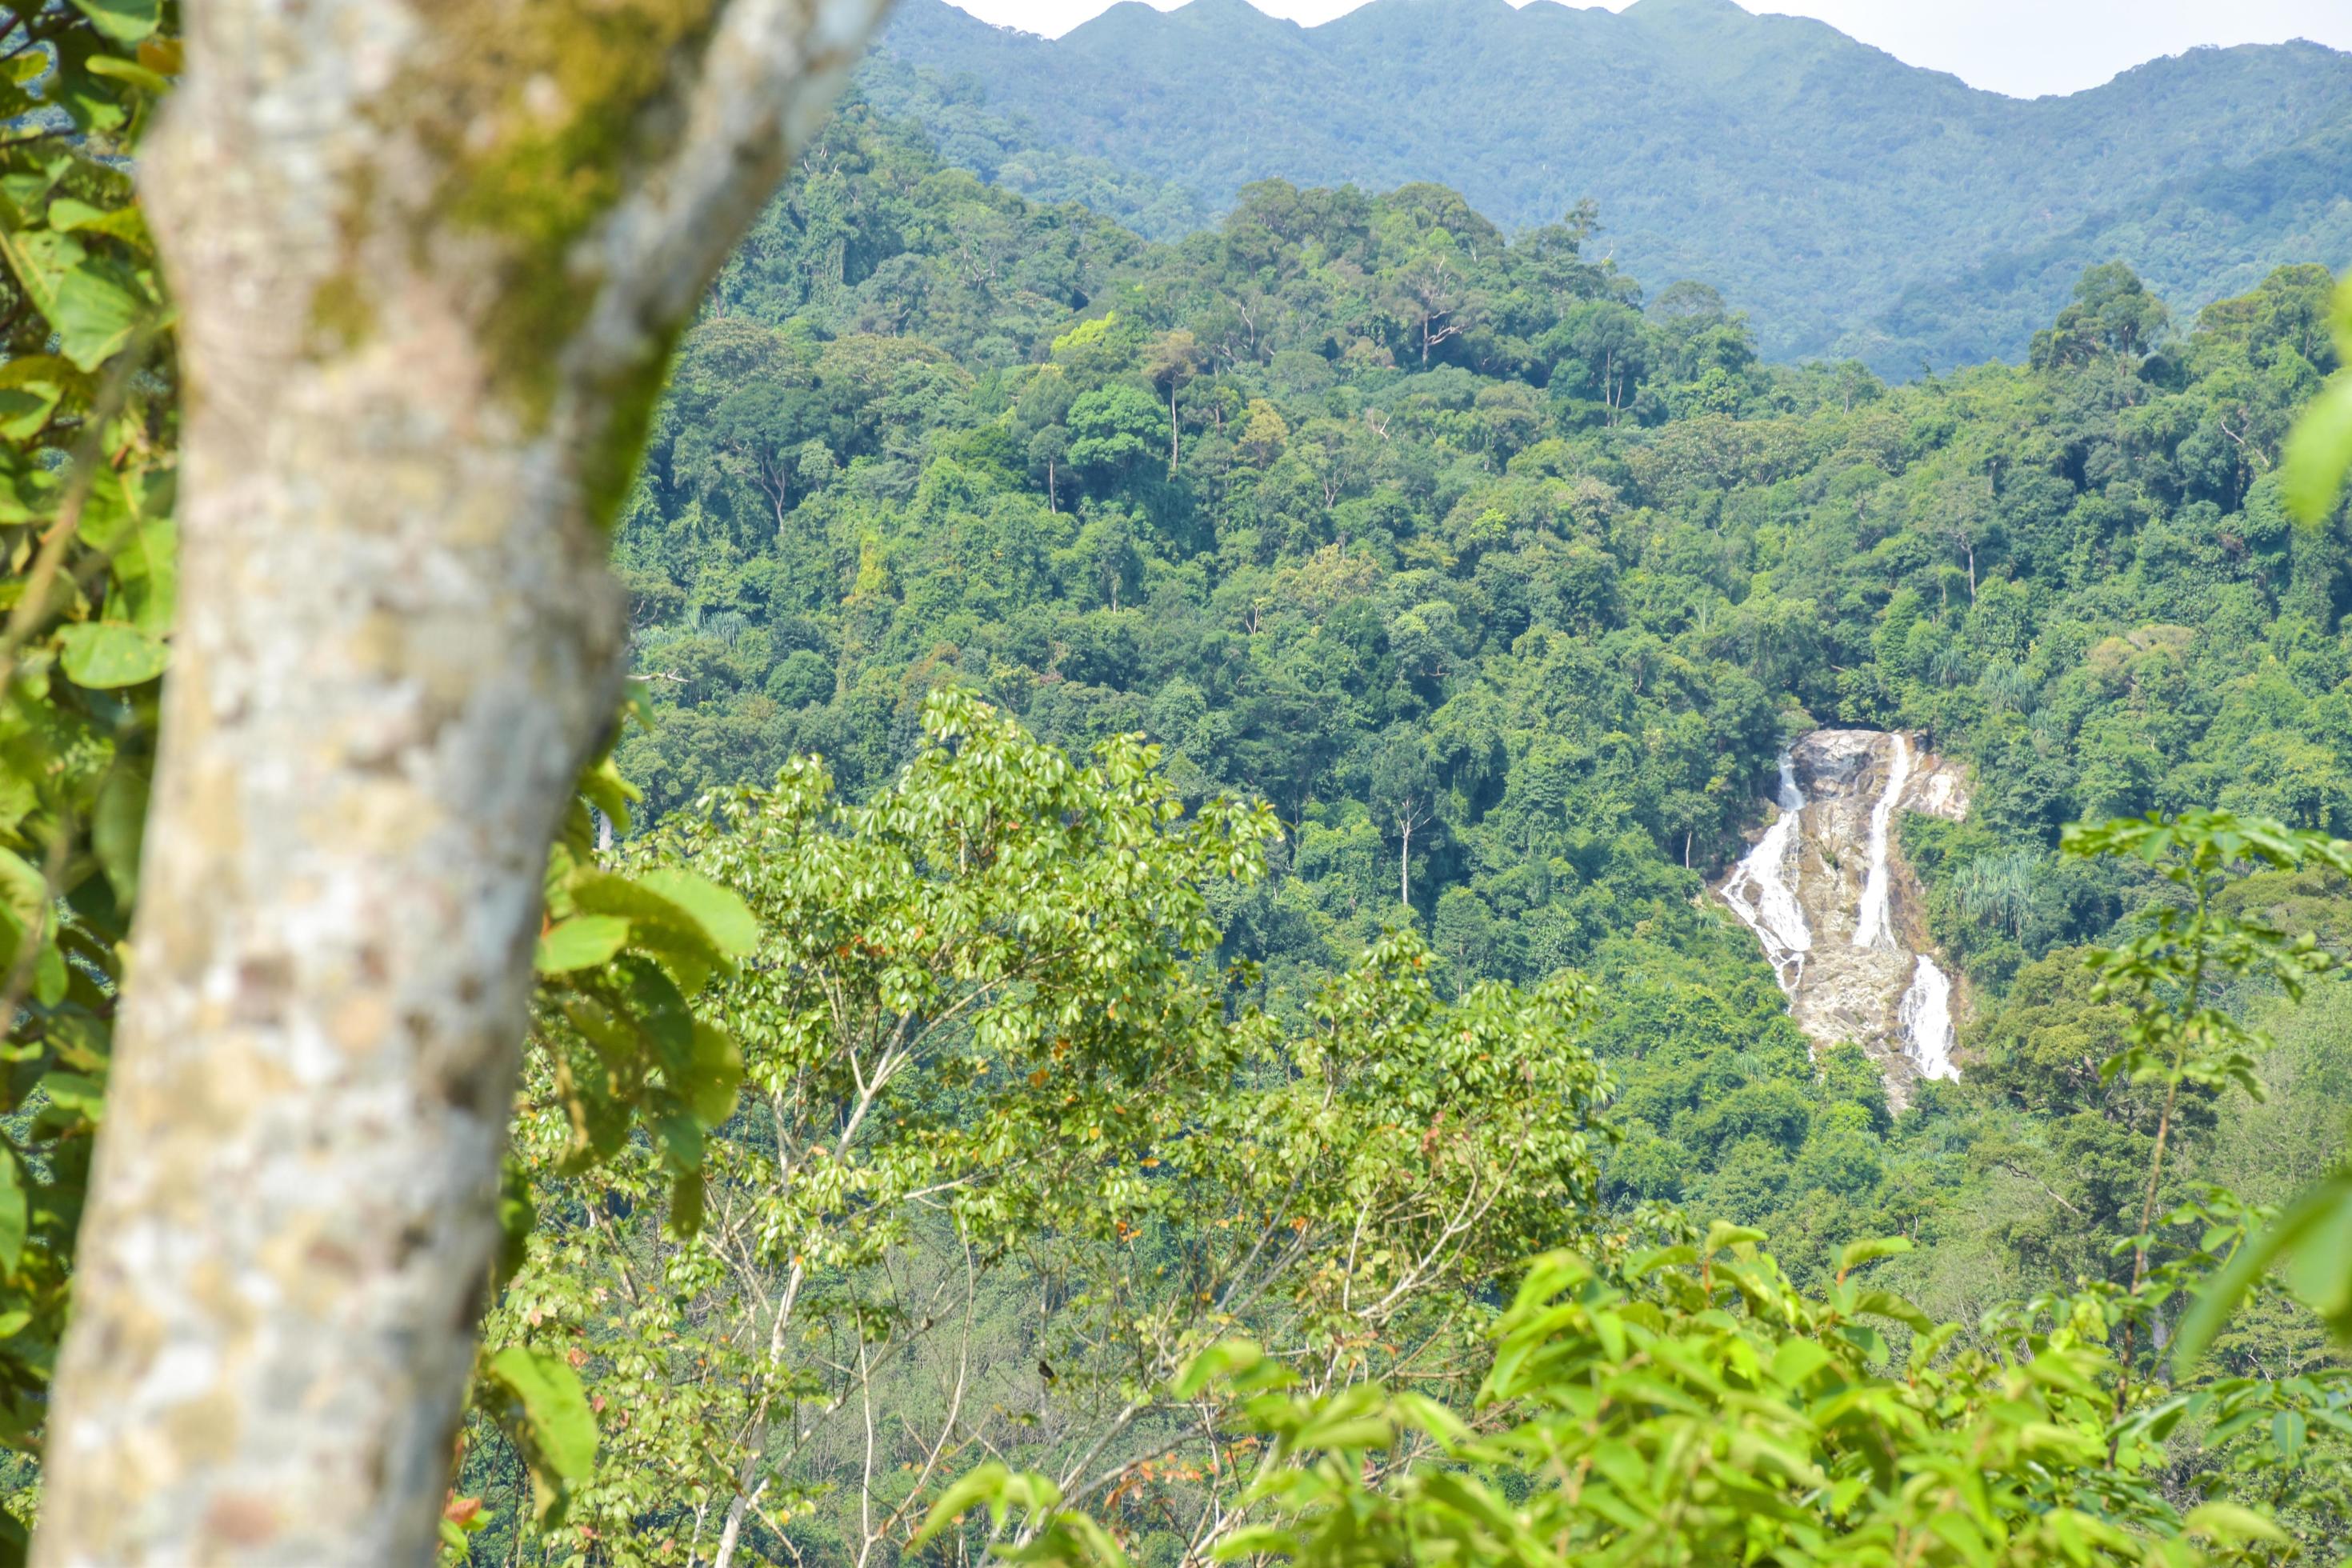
[1855,204]
[1153,997]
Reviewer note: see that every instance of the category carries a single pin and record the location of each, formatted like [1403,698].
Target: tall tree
[1404,790]
[430,262]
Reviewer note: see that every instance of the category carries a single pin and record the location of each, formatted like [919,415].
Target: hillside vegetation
[1854,206]
[1508,636]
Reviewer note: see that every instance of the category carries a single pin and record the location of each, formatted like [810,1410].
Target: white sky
[2024,48]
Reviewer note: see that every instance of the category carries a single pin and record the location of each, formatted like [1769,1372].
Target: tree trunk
[1404,862]
[430,259]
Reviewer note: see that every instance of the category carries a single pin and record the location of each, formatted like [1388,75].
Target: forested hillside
[1504,586]
[1134,982]
[1852,205]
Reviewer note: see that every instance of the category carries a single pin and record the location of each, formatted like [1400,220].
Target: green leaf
[118,827]
[24,891]
[14,1213]
[985,1484]
[146,569]
[1862,1252]
[2228,1522]
[1224,1359]
[1887,1304]
[75,1094]
[722,916]
[1723,1233]
[2287,1431]
[551,1422]
[657,925]
[2319,453]
[686,1202]
[128,72]
[517,1217]
[1796,1362]
[124,21]
[105,655]
[582,942]
[716,1075]
[2321,1204]
[25,410]
[69,216]
[679,1139]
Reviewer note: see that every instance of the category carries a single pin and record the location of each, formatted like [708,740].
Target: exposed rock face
[1838,912]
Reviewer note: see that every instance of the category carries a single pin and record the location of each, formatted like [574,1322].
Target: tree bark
[430,256]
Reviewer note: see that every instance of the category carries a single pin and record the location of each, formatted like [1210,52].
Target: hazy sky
[2022,46]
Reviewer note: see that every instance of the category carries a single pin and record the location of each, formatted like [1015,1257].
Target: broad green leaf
[23,410]
[14,1213]
[24,891]
[663,1019]
[721,914]
[518,1215]
[94,304]
[117,828]
[105,655]
[686,1202]
[146,568]
[124,21]
[2227,1522]
[656,924]
[1860,1252]
[1887,1304]
[582,942]
[717,1074]
[128,71]
[2287,1430]
[50,976]
[552,1422]
[75,1094]
[1797,1360]
[2319,453]
[1723,1233]
[984,1484]
[1224,1359]
[2320,1206]
[679,1137]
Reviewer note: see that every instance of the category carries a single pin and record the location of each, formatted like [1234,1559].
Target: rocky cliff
[1838,912]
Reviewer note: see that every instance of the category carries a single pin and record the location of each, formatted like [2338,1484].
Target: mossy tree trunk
[430,256]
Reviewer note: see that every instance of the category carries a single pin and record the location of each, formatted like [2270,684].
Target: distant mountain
[1851,204]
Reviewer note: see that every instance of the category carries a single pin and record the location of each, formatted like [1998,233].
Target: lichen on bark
[430,256]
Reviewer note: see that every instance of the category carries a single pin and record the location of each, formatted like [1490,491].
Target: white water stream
[1872,928]
[1760,894]
[1926,1016]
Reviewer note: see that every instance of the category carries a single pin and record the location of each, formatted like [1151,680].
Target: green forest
[1501,583]
[1140,978]
[1854,204]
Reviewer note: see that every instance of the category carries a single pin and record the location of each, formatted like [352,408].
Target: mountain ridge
[1817,181]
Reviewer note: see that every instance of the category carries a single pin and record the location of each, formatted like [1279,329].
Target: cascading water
[1827,894]
[1872,928]
[1925,1017]
[1772,911]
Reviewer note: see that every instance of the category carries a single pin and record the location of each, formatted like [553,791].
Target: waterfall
[1774,913]
[1925,1017]
[1871,925]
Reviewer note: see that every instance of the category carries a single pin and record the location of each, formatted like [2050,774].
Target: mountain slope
[1837,194]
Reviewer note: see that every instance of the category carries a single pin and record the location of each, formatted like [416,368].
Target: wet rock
[1840,914]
